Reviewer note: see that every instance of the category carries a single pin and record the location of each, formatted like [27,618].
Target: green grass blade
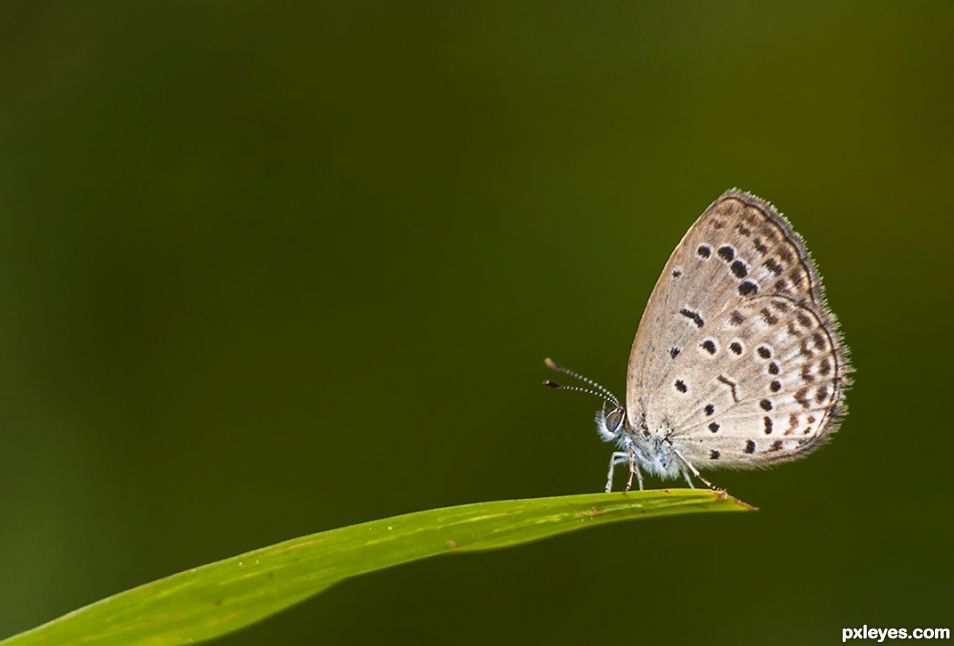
[221,597]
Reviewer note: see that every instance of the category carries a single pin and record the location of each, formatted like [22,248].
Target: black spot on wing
[726,252]
[773,266]
[692,316]
[747,287]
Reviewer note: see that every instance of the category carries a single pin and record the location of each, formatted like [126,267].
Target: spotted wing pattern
[737,355]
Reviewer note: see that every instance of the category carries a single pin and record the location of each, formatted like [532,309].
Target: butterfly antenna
[603,393]
[580,389]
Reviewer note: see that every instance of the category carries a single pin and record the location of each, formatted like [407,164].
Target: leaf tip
[741,505]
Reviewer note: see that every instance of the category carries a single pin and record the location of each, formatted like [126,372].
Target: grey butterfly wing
[764,385]
[739,260]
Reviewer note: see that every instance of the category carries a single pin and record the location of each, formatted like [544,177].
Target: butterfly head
[612,424]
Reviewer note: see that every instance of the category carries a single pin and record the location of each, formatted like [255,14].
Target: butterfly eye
[615,419]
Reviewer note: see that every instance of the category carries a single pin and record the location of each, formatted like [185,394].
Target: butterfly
[737,362]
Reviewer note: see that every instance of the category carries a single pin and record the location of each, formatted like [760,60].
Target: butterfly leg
[633,469]
[631,461]
[695,472]
[618,457]
[688,478]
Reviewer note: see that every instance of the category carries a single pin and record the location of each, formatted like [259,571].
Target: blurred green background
[273,268]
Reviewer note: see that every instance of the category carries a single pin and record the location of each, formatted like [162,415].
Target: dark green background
[268,269]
